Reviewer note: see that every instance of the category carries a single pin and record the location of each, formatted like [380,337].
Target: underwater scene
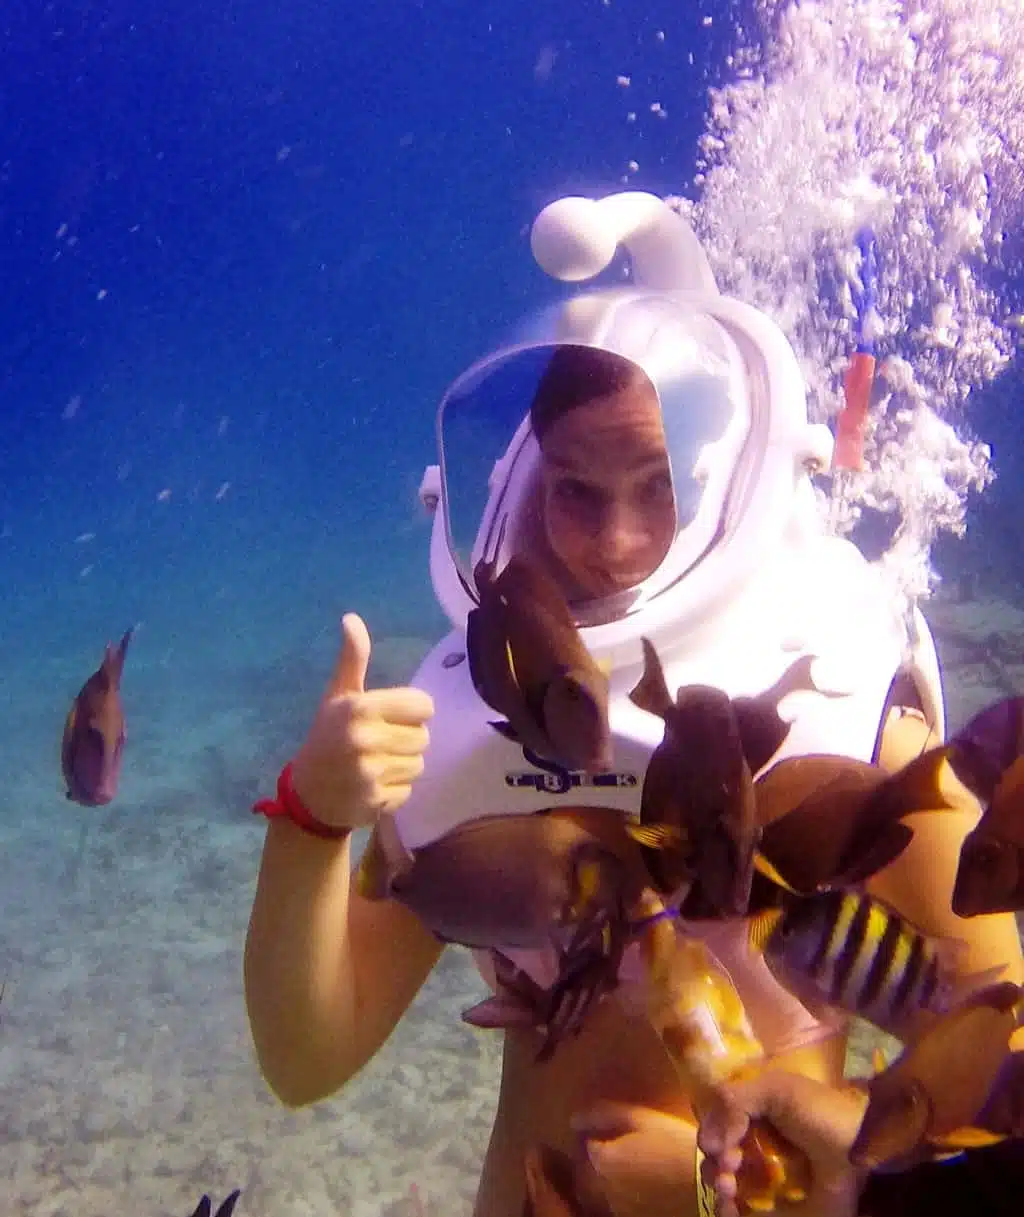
[327,308]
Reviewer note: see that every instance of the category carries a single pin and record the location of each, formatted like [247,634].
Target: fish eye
[989,857]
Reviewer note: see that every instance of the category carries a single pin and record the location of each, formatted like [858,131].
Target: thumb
[349,674]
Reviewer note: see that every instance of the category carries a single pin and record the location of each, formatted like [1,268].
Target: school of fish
[789,848]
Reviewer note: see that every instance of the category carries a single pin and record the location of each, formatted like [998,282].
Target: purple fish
[94,733]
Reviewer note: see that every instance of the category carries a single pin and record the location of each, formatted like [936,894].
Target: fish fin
[372,880]
[957,987]
[771,873]
[384,861]
[501,1011]
[505,728]
[879,1061]
[656,836]
[228,1207]
[967,1137]
[587,875]
[490,664]
[761,927]
[918,785]
[982,751]
[113,659]
[66,749]
[876,856]
[762,728]
[651,692]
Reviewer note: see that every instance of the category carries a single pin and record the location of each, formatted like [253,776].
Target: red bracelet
[288,804]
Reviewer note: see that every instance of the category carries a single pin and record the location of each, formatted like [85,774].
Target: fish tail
[651,692]
[923,784]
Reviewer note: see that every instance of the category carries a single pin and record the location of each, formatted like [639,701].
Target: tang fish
[94,733]
[699,781]
[850,951]
[988,757]
[205,1206]
[527,881]
[528,662]
[931,1096]
[833,821]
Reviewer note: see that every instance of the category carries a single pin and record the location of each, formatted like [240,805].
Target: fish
[94,733]
[833,821]
[507,880]
[205,1206]
[699,782]
[987,755]
[849,951]
[565,878]
[557,1187]
[528,663]
[932,1094]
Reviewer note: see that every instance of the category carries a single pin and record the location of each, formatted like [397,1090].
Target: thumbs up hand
[365,748]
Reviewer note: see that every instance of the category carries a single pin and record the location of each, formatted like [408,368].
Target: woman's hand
[365,748]
[819,1119]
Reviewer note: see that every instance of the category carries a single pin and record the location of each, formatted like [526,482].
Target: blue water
[244,247]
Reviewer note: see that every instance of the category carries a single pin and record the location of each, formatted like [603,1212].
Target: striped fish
[857,954]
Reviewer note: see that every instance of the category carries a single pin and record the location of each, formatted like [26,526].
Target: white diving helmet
[732,405]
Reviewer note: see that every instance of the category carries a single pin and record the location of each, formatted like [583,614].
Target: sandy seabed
[127,1080]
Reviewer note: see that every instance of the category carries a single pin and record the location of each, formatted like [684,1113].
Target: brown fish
[832,821]
[94,733]
[988,757]
[931,1096]
[699,782]
[528,662]
[566,878]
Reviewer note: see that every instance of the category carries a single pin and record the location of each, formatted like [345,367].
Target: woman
[630,474]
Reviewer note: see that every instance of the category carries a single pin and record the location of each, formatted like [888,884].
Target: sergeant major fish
[851,951]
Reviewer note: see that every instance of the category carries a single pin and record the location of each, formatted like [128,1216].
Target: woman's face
[608,507]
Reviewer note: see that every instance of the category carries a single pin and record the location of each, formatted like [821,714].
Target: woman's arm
[327,973]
